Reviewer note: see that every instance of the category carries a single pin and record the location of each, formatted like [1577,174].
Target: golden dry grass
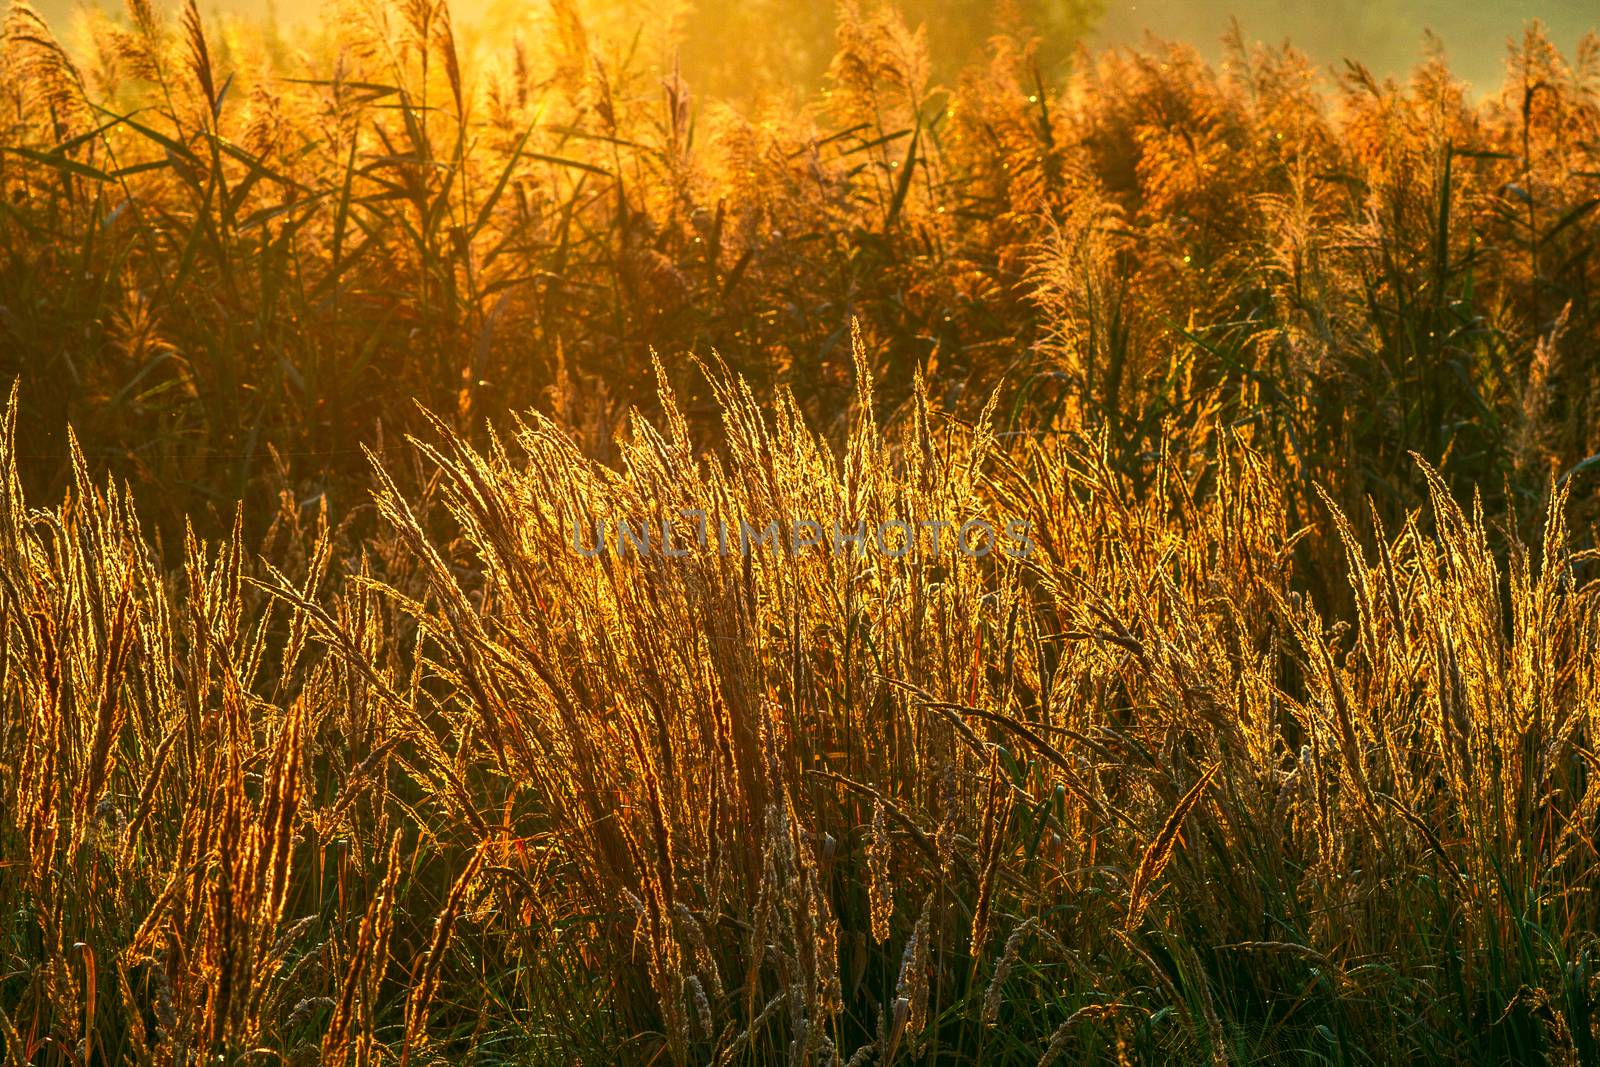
[1279,747]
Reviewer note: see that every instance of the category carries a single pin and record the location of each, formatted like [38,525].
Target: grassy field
[326,739]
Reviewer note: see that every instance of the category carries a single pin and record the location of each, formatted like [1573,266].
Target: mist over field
[1389,38]
[1386,37]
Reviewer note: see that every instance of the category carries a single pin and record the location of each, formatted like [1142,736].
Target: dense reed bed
[327,737]
[217,246]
